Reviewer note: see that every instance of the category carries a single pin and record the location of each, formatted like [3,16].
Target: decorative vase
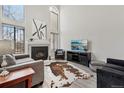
[3,65]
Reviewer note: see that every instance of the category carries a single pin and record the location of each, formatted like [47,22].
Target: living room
[61,46]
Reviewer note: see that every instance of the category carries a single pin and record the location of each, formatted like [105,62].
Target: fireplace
[38,49]
[39,52]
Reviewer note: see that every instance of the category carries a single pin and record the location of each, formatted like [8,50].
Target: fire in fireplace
[39,52]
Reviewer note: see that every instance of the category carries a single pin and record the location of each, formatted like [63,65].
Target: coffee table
[16,77]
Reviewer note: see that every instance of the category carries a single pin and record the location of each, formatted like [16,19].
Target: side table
[16,77]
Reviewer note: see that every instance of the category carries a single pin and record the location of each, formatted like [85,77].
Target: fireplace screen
[38,53]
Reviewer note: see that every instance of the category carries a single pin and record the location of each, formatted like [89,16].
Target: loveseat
[23,61]
[111,75]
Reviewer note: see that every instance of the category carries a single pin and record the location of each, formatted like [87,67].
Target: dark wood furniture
[16,77]
[111,75]
[79,57]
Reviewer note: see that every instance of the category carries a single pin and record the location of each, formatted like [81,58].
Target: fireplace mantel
[38,42]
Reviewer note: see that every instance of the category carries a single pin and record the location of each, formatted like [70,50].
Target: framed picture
[39,30]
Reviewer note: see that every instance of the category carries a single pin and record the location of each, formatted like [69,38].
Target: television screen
[79,45]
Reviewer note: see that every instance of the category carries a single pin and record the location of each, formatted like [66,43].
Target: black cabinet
[79,57]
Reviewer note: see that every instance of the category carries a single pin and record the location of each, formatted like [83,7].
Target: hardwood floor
[90,83]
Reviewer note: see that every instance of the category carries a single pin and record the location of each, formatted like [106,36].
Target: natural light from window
[14,12]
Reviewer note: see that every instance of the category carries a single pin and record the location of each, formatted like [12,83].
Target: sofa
[111,75]
[23,61]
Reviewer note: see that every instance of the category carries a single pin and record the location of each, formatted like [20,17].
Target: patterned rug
[63,74]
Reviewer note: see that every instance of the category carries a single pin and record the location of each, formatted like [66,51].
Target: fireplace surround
[39,50]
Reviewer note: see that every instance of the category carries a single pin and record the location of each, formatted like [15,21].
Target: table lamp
[5,48]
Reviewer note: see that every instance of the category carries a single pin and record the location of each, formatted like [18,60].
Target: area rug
[63,74]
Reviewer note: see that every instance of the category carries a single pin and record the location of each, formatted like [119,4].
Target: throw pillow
[9,59]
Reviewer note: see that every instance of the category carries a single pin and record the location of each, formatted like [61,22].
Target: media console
[79,57]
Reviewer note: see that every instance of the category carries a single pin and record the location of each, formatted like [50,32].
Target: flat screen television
[79,45]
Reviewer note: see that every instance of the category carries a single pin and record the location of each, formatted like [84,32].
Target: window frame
[55,34]
[12,22]
[19,27]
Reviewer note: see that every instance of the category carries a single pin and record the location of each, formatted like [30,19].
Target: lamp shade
[5,47]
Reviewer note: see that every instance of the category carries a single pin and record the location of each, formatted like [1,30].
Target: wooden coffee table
[16,77]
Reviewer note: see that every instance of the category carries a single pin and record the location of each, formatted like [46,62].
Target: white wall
[103,26]
[38,12]
[35,12]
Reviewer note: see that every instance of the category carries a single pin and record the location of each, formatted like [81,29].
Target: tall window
[54,31]
[13,15]
[54,39]
[16,35]
[14,12]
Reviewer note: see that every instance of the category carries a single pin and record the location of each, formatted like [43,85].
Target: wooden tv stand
[79,57]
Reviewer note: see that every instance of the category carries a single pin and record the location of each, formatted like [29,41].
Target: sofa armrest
[23,65]
[115,61]
[117,67]
[108,78]
[110,70]
[37,66]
